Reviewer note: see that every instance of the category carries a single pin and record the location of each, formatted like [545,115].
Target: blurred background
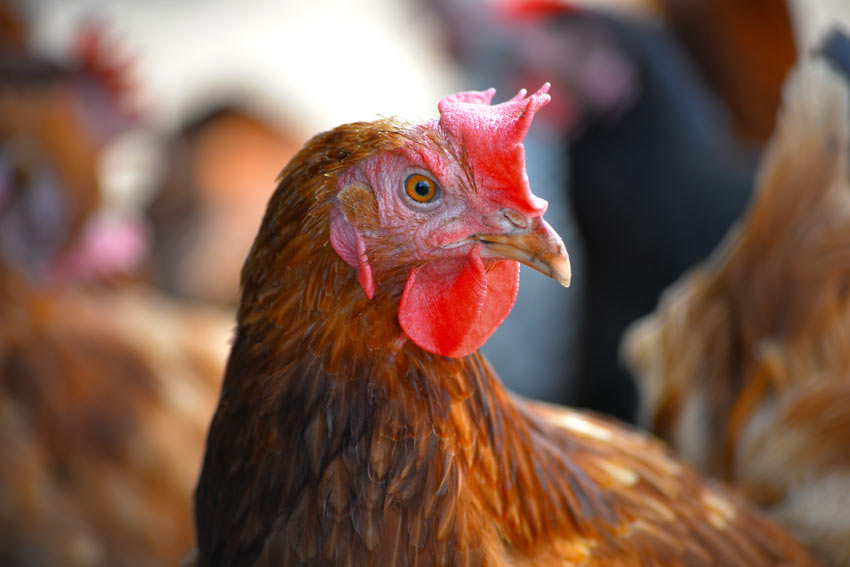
[140,141]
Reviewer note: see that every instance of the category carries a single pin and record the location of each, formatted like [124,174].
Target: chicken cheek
[450,307]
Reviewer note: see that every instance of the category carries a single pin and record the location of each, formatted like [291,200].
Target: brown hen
[745,367]
[105,390]
[358,425]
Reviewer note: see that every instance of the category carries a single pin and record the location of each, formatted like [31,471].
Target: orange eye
[420,188]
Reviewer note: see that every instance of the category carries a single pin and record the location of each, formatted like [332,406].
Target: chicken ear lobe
[346,239]
[451,307]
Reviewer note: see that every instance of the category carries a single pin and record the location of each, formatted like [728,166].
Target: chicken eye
[421,189]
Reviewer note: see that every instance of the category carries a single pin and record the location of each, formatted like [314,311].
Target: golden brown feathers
[745,359]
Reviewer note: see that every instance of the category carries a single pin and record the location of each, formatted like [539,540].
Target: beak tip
[561,271]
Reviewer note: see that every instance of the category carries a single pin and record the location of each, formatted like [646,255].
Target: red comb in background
[519,9]
[492,136]
[99,56]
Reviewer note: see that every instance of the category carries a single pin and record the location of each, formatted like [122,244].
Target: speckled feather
[337,443]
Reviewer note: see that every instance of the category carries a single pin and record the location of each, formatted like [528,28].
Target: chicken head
[446,219]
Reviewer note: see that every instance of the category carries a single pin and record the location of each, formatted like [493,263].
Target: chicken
[358,424]
[744,366]
[55,121]
[106,389]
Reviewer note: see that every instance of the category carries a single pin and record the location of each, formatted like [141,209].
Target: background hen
[359,425]
[105,387]
[744,367]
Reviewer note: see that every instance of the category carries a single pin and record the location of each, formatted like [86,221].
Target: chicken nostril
[516,219]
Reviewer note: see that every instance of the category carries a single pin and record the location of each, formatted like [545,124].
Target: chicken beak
[537,247]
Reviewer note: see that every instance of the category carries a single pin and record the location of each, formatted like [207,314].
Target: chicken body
[357,423]
[104,399]
[744,366]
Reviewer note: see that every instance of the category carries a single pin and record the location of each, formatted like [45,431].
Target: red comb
[522,9]
[492,136]
[99,56]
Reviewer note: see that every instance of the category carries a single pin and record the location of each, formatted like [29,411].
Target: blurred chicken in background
[105,387]
[745,366]
[657,172]
[54,122]
[220,172]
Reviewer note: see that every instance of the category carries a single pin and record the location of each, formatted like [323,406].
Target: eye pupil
[422,188]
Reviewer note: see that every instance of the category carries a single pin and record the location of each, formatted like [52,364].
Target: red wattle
[451,307]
